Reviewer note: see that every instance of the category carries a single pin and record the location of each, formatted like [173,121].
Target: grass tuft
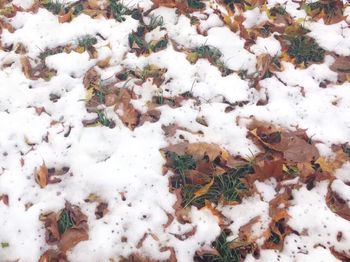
[195,4]
[54,6]
[228,187]
[155,22]
[278,10]
[118,10]
[87,41]
[182,163]
[102,119]
[304,49]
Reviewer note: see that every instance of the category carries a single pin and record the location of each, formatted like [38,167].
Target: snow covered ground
[92,96]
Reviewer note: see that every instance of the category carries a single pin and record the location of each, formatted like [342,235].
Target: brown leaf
[26,67]
[216,213]
[337,204]
[101,210]
[130,116]
[71,237]
[294,148]
[52,234]
[5,199]
[91,78]
[151,115]
[197,177]
[266,169]
[110,99]
[341,64]
[53,256]
[245,231]
[41,176]
[180,213]
[211,150]
[262,65]
[172,257]
[342,256]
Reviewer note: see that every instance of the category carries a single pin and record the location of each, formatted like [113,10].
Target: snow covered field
[174,130]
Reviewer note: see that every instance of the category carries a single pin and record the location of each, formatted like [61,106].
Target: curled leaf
[204,189]
[41,176]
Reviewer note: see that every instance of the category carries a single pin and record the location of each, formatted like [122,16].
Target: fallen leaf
[204,189]
[71,237]
[266,169]
[5,199]
[104,62]
[101,210]
[294,148]
[246,231]
[337,204]
[211,150]
[41,176]
[53,256]
[65,17]
[341,64]
[26,67]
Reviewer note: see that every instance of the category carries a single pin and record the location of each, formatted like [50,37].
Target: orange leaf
[41,176]
[204,189]
[65,18]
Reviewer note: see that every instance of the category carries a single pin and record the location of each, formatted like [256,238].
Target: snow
[116,162]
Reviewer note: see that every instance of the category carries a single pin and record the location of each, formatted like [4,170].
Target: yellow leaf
[80,49]
[89,94]
[325,164]
[104,62]
[204,189]
[192,57]
[285,168]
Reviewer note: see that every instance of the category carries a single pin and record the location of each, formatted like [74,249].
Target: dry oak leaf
[91,78]
[130,116]
[294,148]
[71,237]
[245,231]
[53,256]
[66,228]
[216,213]
[211,150]
[266,169]
[337,204]
[341,64]
[42,176]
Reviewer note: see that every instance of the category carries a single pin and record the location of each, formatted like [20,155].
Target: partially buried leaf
[337,204]
[72,237]
[53,256]
[41,176]
[26,67]
[293,147]
[341,64]
[211,150]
